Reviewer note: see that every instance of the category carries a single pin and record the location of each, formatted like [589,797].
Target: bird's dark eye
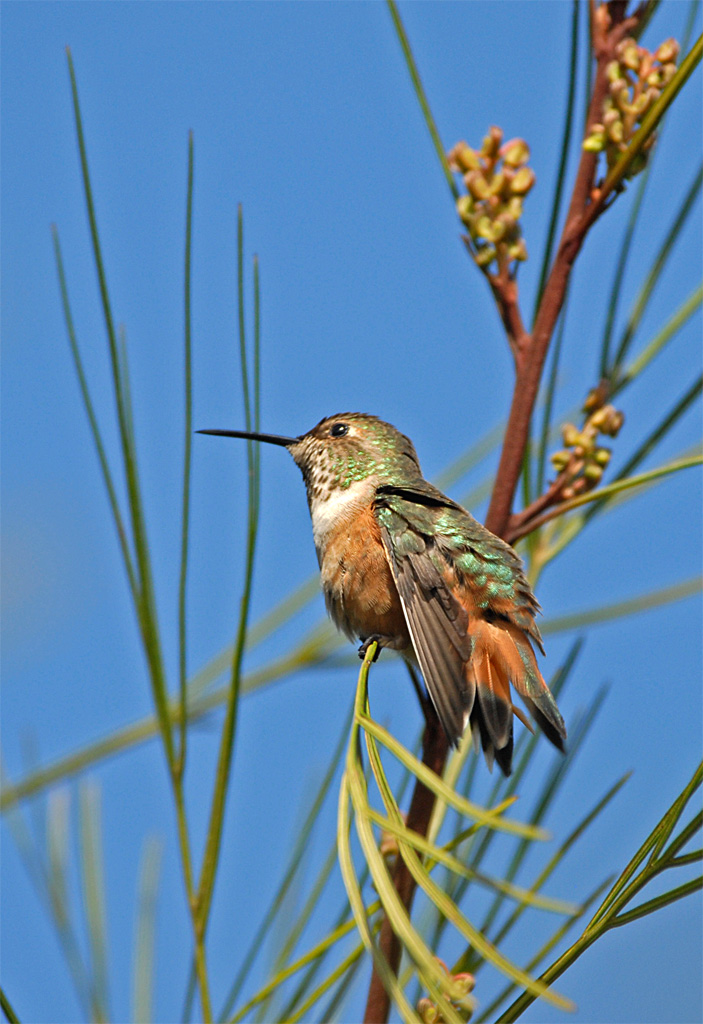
[339,429]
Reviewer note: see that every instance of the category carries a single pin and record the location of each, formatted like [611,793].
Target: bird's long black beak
[284,442]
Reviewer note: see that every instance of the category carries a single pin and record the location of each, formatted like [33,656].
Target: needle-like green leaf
[294,865]
[187,447]
[682,315]
[446,907]
[421,97]
[644,866]
[433,782]
[655,272]
[145,932]
[93,882]
[224,761]
[7,1008]
[566,133]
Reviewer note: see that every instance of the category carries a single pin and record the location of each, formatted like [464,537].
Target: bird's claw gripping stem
[375,638]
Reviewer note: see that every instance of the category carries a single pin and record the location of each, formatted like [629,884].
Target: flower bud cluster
[636,78]
[429,1011]
[583,457]
[497,179]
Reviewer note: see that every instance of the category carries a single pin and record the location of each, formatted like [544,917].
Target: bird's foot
[375,638]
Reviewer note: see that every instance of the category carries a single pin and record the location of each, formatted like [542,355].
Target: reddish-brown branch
[534,524]
[530,352]
[518,521]
[505,291]
[582,212]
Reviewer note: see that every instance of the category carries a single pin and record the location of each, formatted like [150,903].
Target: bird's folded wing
[436,621]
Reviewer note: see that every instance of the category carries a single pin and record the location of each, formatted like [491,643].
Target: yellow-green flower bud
[608,420]
[622,99]
[570,435]
[667,51]
[643,101]
[592,473]
[514,207]
[465,208]
[496,184]
[498,231]
[477,185]
[523,181]
[560,460]
[630,54]
[616,131]
[485,255]
[612,71]
[511,231]
[515,153]
[466,982]
[595,141]
[429,1014]
[668,71]
[596,397]
[518,250]
[602,456]
[492,141]
[462,158]
[484,227]
[601,418]
[617,87]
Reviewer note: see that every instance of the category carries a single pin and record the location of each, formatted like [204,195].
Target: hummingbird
[403,565]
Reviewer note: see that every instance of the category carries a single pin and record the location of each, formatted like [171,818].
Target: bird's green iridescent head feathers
[350,447]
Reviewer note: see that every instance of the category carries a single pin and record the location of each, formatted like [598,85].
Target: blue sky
[304,113]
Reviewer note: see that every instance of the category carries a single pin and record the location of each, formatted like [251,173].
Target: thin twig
[505,291]
[580,217]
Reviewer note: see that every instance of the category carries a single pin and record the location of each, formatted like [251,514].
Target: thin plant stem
[421,97]
[93,884]
[616,287]
[145,934]
[187,449]
[571,91]
[654,274]
[146,606]
[7,1009]
[92,419]
[291,871]
[670,329]
[549,398]
[224,761]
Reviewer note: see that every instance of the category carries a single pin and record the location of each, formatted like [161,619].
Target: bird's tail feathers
[535,693]
[501,654]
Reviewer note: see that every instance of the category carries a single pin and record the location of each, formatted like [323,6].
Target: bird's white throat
[339,505]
